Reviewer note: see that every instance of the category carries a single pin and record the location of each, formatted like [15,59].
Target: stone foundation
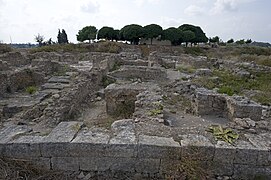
[208,102]
[70,147]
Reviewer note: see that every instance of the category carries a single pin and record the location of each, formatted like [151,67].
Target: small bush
[226,90]
[186,69]
[106,81]
[31,89]
[108,47]
[197,51]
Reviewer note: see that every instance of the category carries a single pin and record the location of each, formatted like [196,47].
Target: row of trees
[62,38]
[217,40]
[186,33]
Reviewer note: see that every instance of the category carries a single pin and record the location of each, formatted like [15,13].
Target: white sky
[21,20]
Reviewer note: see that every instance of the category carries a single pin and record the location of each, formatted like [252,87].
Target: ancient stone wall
[70,147]
[208,102]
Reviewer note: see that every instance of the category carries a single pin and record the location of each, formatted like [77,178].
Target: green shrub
[226,90]
[197,51]
[106,81]
[108,47]
[186,69]
[31,89]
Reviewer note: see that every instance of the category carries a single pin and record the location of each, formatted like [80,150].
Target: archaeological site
[116,111]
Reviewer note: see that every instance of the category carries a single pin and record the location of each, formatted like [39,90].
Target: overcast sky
[21,20]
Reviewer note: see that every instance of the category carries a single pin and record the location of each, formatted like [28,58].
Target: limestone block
[224,152]
[64,132]
[262,142]
[197,147]
[251,172]
[245,153]
[123,143]
[243,108]
[65,163]
[90,144]
[147,165]
[158,147]
[57,86]
[221,168]
[23,147]
[57,142]
[95,163]
[7,134]
[59,79]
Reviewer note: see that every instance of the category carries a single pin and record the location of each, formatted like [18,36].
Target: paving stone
[57,86]
[9,133]
[158,147]
[197,147]
[60,79]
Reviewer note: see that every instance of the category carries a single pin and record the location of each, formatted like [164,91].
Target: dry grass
[108,47]
[14,169]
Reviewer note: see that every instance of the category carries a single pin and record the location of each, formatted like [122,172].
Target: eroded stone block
[158,147]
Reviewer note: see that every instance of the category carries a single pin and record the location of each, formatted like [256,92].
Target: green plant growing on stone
[106,81]
[224,134]
[186,69]
[157,110]
[31,89]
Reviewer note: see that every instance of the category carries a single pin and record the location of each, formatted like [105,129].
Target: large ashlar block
[23,147]
[246,153]
[197,147]
[158,147]
[57,142]
[65,163]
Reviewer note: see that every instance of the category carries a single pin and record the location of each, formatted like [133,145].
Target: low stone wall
[70,147]
[142,72]
[208,102]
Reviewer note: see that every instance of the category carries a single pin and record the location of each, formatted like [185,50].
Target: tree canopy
[174,35]
[188,36]
[200,36]
[87,33]
[214,39]
[39,39]
[106,33]
[62,37]
[132,32]
[152,31]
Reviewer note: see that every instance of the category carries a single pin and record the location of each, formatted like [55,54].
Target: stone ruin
[145,123]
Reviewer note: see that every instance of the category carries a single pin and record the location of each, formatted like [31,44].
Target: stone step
[64,132]
[59,79]
[58,86]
